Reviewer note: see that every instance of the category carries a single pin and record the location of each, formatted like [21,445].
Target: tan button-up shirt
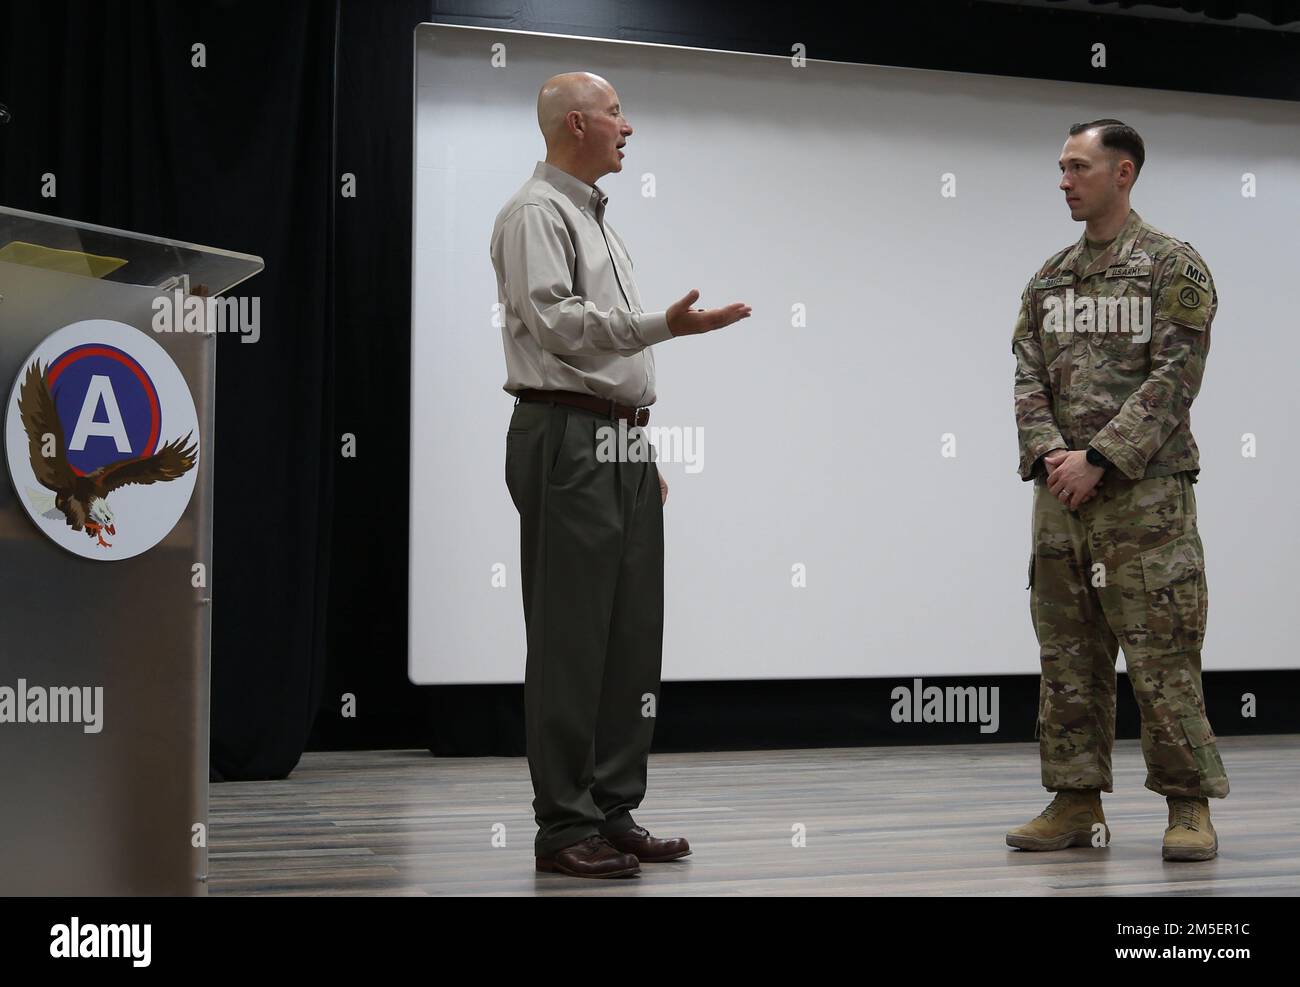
[571,315]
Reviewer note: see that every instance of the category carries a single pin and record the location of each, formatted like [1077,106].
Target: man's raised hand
[685,321]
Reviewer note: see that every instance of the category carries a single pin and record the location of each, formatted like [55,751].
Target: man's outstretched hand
[685,321]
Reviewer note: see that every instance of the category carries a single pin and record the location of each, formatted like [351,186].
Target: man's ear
[577,125]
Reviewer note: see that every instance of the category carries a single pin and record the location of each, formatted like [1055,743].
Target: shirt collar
[581,194]
[1116,253]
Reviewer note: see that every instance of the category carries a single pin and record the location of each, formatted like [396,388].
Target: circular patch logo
[1189,297]
[102,440]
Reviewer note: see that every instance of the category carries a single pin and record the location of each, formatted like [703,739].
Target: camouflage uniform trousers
[1126,567]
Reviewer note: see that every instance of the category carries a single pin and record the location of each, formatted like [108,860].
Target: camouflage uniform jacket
[1126,391]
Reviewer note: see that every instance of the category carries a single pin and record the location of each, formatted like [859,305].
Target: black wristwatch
[1097,459]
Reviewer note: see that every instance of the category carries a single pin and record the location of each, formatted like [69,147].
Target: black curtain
[236,154]
[368,590]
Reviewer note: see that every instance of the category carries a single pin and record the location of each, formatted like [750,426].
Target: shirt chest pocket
[1055,321]
[1121,317]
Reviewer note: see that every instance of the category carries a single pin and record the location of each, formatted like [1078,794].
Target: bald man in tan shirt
[579,360]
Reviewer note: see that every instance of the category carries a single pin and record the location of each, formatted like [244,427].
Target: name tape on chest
[1129,271]
[1055,281]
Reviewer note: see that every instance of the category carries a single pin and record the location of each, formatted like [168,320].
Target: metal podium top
[101,252]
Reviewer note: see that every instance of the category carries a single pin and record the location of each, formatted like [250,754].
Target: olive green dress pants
[592,573]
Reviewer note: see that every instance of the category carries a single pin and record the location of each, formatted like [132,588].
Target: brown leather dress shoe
[647,848]
[592,857]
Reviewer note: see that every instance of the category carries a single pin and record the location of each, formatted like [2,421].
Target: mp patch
[1186,299]
[1194,274]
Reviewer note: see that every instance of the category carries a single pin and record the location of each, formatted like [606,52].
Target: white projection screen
[820,187]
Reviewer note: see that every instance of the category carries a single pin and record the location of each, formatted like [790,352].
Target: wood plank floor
[882,820]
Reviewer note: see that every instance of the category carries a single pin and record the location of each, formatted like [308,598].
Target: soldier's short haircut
[1116,135]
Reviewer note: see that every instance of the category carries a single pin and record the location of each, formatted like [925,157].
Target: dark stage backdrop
[248,153]
[236,155]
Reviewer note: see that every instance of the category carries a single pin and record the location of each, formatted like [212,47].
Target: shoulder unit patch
[1186,298]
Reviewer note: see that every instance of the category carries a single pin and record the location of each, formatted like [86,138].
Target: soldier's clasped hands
[1070,477]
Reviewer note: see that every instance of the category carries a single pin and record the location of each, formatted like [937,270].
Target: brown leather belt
[588,402]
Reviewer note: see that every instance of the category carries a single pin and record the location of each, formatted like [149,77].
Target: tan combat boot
[1190,835]
[1066,822]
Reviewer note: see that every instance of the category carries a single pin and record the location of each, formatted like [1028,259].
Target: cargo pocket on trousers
[1214,780]
[1173,576]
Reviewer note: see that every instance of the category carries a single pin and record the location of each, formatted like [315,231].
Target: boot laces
[1185,814]
[1054,807]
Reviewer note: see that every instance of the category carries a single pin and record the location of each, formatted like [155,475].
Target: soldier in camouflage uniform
[1110,348]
